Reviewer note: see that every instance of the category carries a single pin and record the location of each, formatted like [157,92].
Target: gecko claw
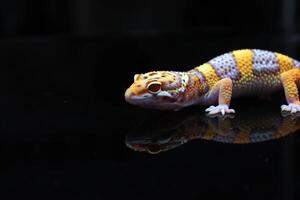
[223,109]
[291,108]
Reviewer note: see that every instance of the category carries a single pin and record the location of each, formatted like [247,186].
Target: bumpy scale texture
[240,72]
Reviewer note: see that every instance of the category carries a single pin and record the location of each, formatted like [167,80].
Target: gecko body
[233,74]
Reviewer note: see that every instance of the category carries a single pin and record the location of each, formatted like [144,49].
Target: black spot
[138,86]
[153,73]
[145,77]
[170,82]
[163,76]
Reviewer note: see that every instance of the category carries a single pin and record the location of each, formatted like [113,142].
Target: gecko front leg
[223,90]
[289,80]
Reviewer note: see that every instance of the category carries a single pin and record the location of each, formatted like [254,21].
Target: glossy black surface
[64,68]
[208,168]
[63,133]
[167,132]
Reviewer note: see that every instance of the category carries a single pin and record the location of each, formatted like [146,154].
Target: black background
[64,68]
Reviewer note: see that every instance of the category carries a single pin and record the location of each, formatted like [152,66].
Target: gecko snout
[128,95]
[132,97]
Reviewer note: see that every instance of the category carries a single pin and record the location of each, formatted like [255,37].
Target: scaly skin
[237,73]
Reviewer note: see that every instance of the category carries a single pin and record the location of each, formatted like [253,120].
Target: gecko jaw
[161,102]
[134,99]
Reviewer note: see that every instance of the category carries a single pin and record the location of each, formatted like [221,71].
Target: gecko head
[157,89]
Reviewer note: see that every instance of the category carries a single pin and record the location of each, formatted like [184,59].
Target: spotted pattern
[225,66]
[264,62]
[244,59]
[225,139]
[245,137]
[202,82]
[184,81]
[168,79]
[255,76]
[251,72]
[257,136]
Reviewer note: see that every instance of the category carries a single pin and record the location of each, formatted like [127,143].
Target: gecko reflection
[261,125]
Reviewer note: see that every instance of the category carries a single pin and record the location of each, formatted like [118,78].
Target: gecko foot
[219,109]
[292,107]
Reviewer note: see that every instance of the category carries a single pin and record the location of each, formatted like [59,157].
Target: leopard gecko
[233,74]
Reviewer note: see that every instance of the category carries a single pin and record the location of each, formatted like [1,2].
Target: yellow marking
[289,79]
[285,62]
[243,60]
[209,74]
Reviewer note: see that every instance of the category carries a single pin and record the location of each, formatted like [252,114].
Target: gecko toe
[215,111]
[222,109]
[231,111]
[210,108]
[284,107]
[292,108]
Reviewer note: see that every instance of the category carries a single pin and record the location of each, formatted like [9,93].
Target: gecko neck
[195,88]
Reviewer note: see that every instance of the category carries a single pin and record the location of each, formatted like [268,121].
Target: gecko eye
[154,87]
